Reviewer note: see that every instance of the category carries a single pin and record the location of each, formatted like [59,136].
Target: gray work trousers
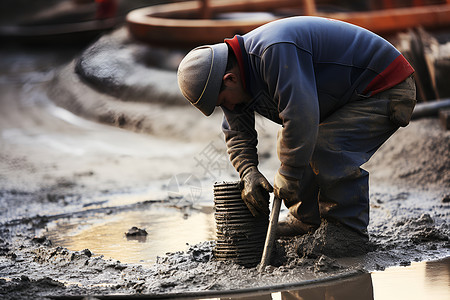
[335,187]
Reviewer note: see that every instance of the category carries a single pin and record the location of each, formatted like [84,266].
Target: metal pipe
[429,109]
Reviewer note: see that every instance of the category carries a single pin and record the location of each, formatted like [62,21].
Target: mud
[333,240]
[136,232]
[118,66]
[55,165]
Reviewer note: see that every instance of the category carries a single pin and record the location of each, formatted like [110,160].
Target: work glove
[255,192]
[286,188]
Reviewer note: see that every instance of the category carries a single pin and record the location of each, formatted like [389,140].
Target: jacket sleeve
[289,74]
[241,137]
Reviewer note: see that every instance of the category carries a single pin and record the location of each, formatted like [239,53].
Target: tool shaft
[271,232]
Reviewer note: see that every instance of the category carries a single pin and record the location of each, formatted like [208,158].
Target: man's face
[229,98]
[233,92]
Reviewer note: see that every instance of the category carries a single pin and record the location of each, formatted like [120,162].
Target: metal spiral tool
[240,236]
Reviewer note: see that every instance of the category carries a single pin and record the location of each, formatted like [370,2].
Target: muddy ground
[55,165]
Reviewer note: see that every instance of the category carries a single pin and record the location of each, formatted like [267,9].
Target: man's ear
[229,78]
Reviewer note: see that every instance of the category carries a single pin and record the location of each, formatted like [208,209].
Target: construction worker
[338,91]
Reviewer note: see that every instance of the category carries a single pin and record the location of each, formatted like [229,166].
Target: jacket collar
[237,44]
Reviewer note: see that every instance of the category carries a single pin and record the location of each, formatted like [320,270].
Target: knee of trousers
[331,163]
[338,167]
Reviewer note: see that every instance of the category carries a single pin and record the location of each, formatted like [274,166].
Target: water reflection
[424,280]
[169,229]
[355,288]
[438,273]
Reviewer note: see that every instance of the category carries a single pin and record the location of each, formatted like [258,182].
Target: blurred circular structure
[193,23]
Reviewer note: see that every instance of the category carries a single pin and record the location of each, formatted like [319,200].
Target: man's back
[345,58]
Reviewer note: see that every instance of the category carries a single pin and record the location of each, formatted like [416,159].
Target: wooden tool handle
[271,232]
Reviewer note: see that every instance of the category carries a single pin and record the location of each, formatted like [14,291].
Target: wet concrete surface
[70,188]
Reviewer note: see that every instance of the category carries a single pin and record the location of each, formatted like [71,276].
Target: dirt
[56,165]
[333,240]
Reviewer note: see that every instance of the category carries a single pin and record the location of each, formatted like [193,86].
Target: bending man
[338,91]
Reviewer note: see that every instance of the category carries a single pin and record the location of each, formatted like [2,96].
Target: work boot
[294,227]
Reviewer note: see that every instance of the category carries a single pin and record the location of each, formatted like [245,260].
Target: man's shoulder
[300,32]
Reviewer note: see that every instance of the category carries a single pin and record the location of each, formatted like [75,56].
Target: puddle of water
[168,229]
[425,280]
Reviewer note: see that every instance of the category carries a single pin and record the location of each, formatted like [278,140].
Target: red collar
[234,44]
